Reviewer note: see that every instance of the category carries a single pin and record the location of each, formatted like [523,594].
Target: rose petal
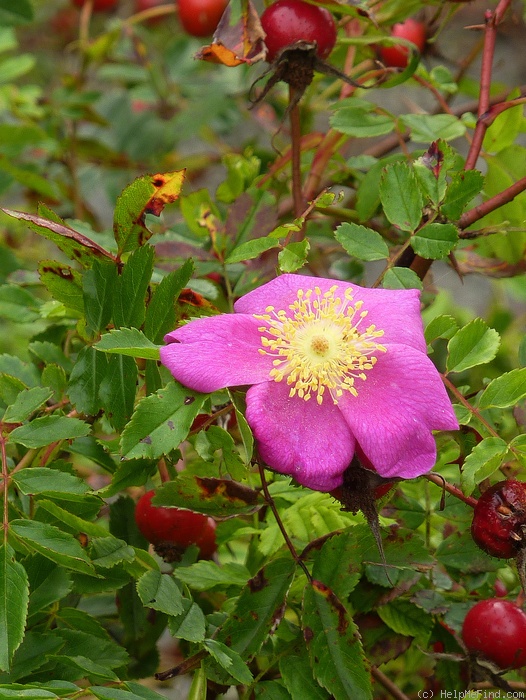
[212,353]
[395,311]
[311,443]
[398,405]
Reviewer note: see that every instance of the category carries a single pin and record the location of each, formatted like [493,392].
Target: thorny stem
[272,505]
[452,489]
[492,20]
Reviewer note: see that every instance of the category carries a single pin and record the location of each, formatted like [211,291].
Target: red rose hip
[200,17]
[161,525]
[499,519]
[496,630]
[286,22]
[398,56]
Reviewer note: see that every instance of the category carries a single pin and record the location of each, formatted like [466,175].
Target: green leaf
[252,249]
[460,553]
[401,197]
[14,596]
[464,186]
[229,660]
[128,341]
[190,624]
[215,438]
[108,551]
[63,283]
[205,575]
[333,644]
[20,12]
[129,691]
[161,422]
[401,278]
[44,431]
[434,240]
[215,497]
[27,402]
[361,123]
[426,128]
[74,244]
[161,314]
[99,285]
[160,592]
[117,390]
[129,303]
[148,194]
[504,391]
[440,327]
[474,344]
[18,304]
[45,480]
[405,618]
[54,544]
[484,459]
[333,564]
[297,676]
[265,595]
[85,379]
[293,256]
[361,242]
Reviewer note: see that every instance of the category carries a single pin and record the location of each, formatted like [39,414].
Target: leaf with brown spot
[75,245]
[220,498]
[239,37]
[334,645]
[63,283]
[148,194]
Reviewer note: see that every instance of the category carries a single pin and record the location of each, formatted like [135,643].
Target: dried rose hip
[286,22]
[499,519]
[496,629]
[181,528]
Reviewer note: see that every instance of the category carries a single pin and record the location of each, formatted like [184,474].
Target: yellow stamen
[317,344]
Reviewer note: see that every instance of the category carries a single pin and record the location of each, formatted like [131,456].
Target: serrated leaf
[85,379]
[129,302]
[74,244]
[401,278]
[258,609]
[63,283]
[426,128]
[401,197]
[228,659]
[108,551]
[333,644]
[14,597]
[361,123]
[205,575]
[333,564]
[190,624]
[483,460]
[18,304]
[215,497]
[464,186]
[160,592]
[474,344]
[251,249]
[74,522]
[405,618]
[440,327]
[460,553]
[297,676]
[148,194]
[98,287]
[117,389]
[53,543]
[504,391]
[435,241]
[361,242]
[44,431]
[130,691]
[161,422]
[161,314]
[45,480]
[215,438]
[293,256]
[128,341]
[27,402]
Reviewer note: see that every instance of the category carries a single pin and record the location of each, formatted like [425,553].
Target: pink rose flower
[332,368]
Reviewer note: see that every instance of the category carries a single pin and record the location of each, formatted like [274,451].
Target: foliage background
[92,109]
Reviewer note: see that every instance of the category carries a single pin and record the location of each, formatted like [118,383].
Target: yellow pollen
[318,345]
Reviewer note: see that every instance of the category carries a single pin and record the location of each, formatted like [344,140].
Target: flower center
[318,345]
